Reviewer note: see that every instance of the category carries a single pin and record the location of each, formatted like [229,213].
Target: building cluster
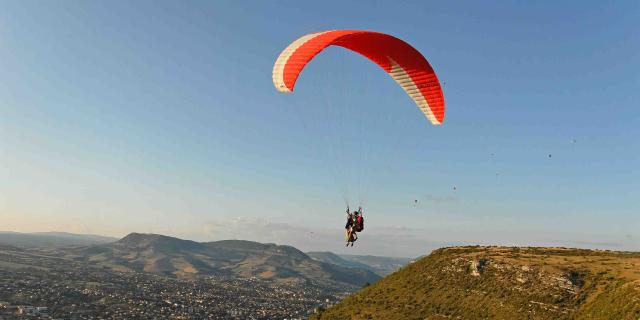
[65,289]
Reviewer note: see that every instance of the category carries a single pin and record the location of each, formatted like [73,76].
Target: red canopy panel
[402,62]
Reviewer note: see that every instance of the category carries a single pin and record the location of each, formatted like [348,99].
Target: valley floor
[36,285]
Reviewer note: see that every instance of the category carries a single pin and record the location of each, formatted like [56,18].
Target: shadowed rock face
[174,257]
[503,283]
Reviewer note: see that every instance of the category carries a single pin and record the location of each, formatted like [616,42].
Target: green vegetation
[503,283]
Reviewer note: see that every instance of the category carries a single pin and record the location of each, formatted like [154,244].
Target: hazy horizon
[428,246]
[161,117]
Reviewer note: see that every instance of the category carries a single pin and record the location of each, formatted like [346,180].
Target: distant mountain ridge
[330,257]
[379,265]
[79,236]
[49,239]
[503,283]
[175,257]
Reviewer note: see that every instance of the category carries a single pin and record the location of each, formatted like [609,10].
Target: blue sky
[157,116]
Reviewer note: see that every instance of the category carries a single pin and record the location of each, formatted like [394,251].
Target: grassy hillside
[503,283]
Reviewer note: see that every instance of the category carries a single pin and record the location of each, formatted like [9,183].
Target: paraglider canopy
[402,62]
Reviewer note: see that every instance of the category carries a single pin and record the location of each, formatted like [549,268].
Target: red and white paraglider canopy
[400,60]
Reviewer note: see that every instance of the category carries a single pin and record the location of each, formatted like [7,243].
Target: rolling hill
[179,258]
[503,283]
